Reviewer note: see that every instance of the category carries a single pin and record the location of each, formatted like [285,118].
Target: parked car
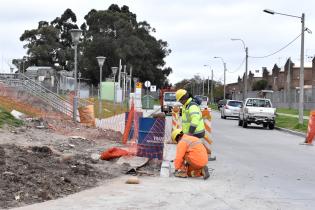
[204,100]
[258,111]
[231,109]
[221,103]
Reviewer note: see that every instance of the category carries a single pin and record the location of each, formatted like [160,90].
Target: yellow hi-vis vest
[192,118]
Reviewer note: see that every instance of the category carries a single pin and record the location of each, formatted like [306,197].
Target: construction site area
[45,154]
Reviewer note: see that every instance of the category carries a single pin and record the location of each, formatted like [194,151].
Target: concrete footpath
[151,193]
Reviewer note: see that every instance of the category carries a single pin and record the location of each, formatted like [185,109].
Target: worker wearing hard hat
[192,121]
[191,156]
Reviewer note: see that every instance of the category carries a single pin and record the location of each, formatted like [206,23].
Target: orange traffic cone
[311,129]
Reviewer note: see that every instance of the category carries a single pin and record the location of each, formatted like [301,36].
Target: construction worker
[192,121]
[191,156]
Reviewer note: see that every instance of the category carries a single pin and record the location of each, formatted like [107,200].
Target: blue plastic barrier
[151,137]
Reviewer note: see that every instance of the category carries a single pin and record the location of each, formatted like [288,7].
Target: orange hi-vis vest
[190,149]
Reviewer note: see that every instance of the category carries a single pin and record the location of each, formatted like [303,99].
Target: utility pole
[246,69]
[289,84]
[212,99]
[208,85]
[203,86]
[301,98]
[224,79]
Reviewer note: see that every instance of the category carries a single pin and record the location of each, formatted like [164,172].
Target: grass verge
[291,123]
[292,111]
[110,109]
[7,118]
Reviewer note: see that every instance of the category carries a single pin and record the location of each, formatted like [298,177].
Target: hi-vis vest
[191,116]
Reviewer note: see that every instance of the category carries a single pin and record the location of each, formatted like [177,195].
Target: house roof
[36,68]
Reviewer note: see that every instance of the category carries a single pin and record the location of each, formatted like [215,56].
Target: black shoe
[205,173]
[212,158]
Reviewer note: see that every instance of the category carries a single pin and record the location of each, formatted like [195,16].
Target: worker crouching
[191,156]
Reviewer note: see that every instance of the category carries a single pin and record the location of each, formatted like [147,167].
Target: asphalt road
[255,169]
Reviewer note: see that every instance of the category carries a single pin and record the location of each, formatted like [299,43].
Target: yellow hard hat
[180,93]
[175,134]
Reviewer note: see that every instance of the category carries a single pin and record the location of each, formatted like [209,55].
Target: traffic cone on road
[311,129]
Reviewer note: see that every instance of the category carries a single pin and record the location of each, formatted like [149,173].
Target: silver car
[231,109]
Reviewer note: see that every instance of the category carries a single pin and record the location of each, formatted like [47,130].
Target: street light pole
[208,78]
[246,67]
[100,60]
[224,65]
[301,96]
[212,99]
[114,70]
[75,35]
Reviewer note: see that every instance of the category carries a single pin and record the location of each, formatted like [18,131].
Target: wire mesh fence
[285,98]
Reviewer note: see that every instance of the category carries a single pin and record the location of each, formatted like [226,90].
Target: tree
[50,44]
[116,34]
[260,85]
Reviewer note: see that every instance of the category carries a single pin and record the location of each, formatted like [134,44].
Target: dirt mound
[36,174]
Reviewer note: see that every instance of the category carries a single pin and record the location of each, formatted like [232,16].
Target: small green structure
[107,91]
[147,102]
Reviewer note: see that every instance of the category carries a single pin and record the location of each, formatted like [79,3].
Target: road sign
[153,88]
[147,83]
[138,85]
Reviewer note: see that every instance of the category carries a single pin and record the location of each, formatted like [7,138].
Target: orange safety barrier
[206,115]
[129,123]
[207,140]
[175,118]
[311,129]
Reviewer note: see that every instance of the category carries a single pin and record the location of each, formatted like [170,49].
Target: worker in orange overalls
[191,156]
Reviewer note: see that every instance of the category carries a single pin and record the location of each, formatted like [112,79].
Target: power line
[277,50]
[238,68]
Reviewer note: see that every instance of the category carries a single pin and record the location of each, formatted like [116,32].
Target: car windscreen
[235,103]
[258,103]
[169,97]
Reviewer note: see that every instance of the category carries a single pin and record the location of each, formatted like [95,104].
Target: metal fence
[286,98]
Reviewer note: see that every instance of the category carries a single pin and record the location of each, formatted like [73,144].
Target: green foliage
[114,33]
[7,118]
[50,44]
[260,85]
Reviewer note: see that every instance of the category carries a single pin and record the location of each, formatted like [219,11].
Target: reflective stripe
[190,143]
[199,131]
[192,113]
[195,143]
[187,141]
[185,121]
[194,125]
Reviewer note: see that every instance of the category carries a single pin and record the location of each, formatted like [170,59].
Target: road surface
[255,169]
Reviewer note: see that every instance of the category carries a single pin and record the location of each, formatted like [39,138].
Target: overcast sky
[196,30]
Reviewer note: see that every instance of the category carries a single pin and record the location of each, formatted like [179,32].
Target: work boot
[180,174]
[205,172]
[212,158]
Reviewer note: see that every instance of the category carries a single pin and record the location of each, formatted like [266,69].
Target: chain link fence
[285,98]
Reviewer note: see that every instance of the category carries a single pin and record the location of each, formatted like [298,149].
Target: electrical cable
[277,50]
[238,68]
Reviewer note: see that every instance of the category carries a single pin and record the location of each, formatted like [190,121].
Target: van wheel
[265,125]
[271,126]
[244,124]
[240,122]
